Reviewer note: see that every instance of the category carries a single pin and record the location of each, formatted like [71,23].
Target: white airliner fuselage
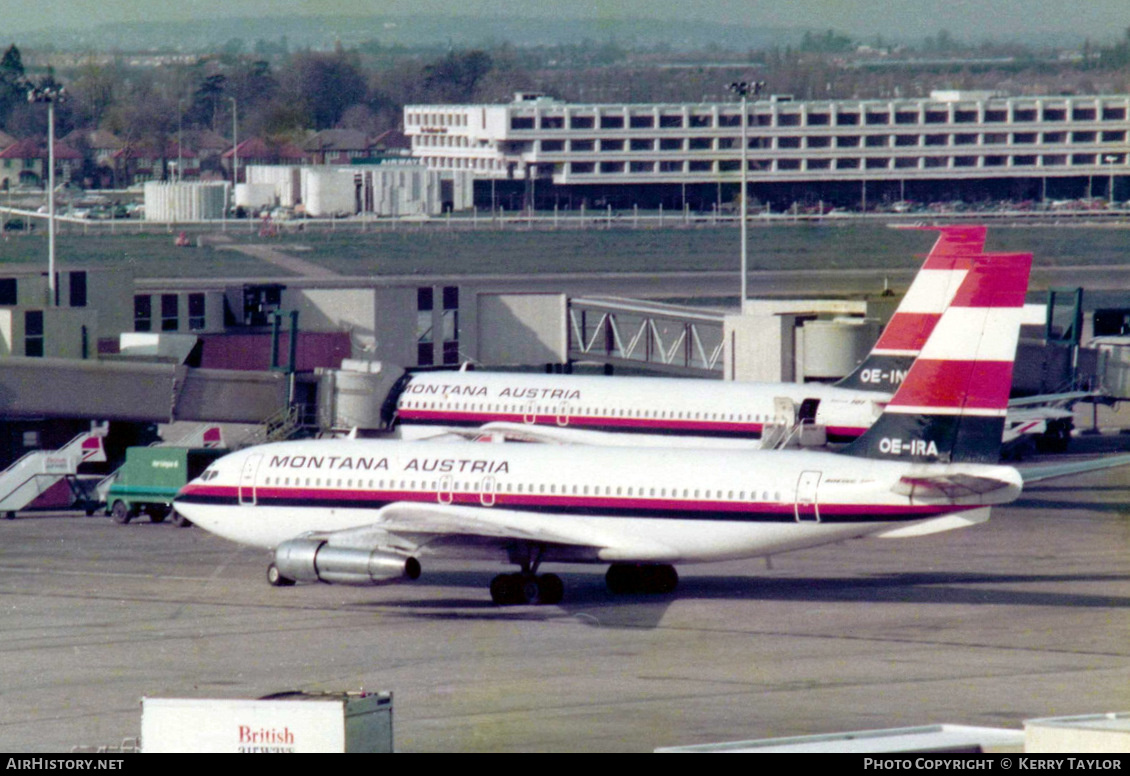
[434,401]
[599,505]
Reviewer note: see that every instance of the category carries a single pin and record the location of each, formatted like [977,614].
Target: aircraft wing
[449,529]
[1038,473]
[502,431]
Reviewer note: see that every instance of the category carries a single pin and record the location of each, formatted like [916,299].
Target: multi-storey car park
[951,145]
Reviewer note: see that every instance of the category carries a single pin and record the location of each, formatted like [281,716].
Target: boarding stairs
[801,431]
[31,476]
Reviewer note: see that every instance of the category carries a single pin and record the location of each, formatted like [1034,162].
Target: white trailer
[287,723]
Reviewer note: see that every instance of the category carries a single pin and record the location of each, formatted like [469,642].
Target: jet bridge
[138,391]
[660,337]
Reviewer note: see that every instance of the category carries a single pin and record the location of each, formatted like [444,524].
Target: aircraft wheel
[503,589]
[550,589]
[622,578]
[276,579]
[179,520]
[121,513]
[661,578]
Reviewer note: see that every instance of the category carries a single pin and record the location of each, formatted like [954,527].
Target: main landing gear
[641,578]
[526,588]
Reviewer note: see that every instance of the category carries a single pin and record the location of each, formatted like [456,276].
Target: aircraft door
[530,413]
[784,410]
[807,509]
[446,492]
[807,411]
[247,479]
[487,491]
[563,414]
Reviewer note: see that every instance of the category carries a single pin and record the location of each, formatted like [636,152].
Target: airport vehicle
[149,480]
[361,511]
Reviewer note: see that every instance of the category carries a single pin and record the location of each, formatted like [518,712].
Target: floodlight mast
[744,88]
[49,93]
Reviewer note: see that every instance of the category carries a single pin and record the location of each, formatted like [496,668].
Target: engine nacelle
[314,560]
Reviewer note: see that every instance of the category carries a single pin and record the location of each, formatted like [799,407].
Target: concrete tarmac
[1026,616]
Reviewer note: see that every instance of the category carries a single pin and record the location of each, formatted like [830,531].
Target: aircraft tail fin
[927,298]
[953,402]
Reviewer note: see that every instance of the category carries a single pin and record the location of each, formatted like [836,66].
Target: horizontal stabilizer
[950,486]
[1052,399]
[1051,471]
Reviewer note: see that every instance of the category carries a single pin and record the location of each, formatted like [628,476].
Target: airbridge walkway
[137,391]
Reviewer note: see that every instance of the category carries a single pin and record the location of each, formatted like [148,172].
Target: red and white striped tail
[933,288]
[953,402]
[935,285]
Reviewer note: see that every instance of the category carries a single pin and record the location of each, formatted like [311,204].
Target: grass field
[433,250]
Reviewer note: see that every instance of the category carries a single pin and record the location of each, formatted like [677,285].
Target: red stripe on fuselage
[590,505]
[550,419]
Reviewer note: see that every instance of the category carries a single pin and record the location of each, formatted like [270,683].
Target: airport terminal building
[971,146]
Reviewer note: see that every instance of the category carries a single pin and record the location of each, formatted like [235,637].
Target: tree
[455,77]
[13,82]
[206,101]
[327,84]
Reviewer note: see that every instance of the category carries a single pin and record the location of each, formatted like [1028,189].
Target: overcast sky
[972,20]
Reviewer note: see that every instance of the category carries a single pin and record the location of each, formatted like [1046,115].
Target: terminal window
[8,294]
[451,324]
[196,318]
[33,333]
[142,313]
[78,289]
[170,312]
[425,348]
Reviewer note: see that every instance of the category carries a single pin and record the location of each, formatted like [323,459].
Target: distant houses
[97,159]
[24,162]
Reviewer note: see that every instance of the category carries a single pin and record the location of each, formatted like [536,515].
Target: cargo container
[150,479]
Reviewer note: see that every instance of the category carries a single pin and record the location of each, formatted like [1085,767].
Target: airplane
[572,409]
[363,511]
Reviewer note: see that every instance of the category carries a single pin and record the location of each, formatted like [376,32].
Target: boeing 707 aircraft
[371,511]
[647,411]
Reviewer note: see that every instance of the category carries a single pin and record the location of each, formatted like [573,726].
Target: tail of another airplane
[927,298]
[952,404]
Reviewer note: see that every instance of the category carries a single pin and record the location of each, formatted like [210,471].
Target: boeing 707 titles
[366,511]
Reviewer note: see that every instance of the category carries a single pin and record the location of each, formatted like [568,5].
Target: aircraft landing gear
[526,588]
[641,578]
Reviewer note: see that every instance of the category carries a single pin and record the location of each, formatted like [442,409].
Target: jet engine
[315,560]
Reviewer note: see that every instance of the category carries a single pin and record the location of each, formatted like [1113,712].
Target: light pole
[1110,159]
[744,88]
[235,147]
[49,93]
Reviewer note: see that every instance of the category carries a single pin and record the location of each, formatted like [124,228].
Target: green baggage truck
[150,479]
